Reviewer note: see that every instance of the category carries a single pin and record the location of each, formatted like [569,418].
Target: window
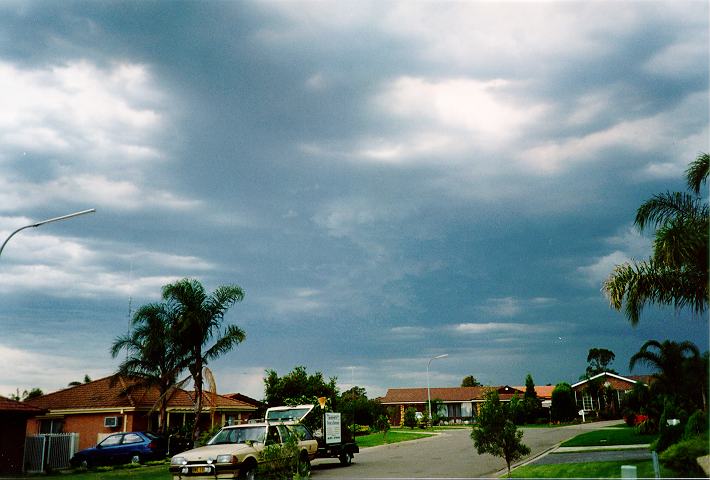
[454,410]
[132,438]
[587,403]
[111,440]
[51,426]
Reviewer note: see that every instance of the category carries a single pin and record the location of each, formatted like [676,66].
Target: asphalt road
[448,455]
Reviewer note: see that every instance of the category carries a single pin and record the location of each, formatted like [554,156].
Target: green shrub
[669,434]
[410,417]
[563,407]
[647,427]
[697,424]
[682,456]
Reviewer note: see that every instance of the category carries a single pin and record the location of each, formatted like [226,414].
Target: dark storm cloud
[386,181]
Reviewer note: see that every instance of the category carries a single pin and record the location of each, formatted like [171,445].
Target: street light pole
[49,220]
[428,390]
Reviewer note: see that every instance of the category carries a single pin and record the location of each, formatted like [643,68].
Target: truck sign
[332,428]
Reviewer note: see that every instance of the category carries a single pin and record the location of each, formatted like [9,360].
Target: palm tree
[677,273]
[152,359]
[673,362]
[198,318]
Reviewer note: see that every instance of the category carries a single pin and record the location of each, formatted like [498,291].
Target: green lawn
[589,470]
[144,472]
[609,436]
[393,436]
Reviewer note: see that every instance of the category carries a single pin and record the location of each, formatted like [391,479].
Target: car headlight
[178,461]
[225,459]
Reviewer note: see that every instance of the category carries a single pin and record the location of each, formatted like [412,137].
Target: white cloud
[679,58]
[646,134]
[89,133]
[490,328]
[629,244]
[294,301]
[502,307]
[66,267]
[23,369]
[409,332]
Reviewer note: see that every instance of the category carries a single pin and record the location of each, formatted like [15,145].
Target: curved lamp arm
[55,219]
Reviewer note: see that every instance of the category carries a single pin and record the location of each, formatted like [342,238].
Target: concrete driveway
[448,455]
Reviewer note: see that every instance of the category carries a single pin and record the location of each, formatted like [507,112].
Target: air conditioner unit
[112,422]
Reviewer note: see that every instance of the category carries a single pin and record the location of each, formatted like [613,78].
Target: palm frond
[697,172]
[664,207]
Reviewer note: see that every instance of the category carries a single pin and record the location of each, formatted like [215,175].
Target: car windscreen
[287,414]
[240,435]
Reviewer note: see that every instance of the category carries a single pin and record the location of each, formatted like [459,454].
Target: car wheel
[84,463]
[346,459]
[248,472]
[135,458]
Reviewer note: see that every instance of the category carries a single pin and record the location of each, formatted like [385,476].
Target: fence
[49,451]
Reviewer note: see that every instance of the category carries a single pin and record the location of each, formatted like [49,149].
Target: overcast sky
[387,181]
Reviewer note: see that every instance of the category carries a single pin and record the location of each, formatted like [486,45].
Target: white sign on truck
[332,428]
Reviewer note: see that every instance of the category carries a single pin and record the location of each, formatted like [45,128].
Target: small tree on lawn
[496,433]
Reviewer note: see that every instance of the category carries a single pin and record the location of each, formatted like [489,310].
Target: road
[447,455]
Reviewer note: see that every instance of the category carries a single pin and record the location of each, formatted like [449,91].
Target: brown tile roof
[248,400]
[419,395]
[103,394]
[7,405]
[543,391]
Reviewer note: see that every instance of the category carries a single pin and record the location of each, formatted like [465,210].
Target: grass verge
[142,472]
[644,469]
[375,439]
[609,436]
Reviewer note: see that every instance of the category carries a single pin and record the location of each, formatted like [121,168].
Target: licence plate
[201,469]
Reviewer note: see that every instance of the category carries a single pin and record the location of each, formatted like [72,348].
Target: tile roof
[104,393]
[542,391]
[8,405]
[419,394]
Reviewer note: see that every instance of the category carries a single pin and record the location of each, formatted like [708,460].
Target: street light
[55,219]
[428,390]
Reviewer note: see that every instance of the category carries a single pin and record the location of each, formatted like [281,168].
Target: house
[457,404]
[101,407]
[603,392]
[13,421]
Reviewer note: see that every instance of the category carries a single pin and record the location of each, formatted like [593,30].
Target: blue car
[124,447]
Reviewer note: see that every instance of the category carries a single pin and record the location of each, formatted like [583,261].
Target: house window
[587,403]
[52,425]
[454,410]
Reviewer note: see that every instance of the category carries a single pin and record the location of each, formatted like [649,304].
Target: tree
[673,362]
[531,404]
[355,407]
[297,387]
[496,433]
[598,361]
[26,395]
[563,408]
[152,355]
[198,322]
[470,381]
[677,272]
[76,383]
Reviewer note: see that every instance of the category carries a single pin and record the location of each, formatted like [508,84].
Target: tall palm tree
[677,272]
[198,322]
[152,358]
[673,362]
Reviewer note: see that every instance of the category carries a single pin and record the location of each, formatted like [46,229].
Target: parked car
[235,452]
[124,447]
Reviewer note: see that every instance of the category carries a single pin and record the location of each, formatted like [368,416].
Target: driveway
[448,455]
